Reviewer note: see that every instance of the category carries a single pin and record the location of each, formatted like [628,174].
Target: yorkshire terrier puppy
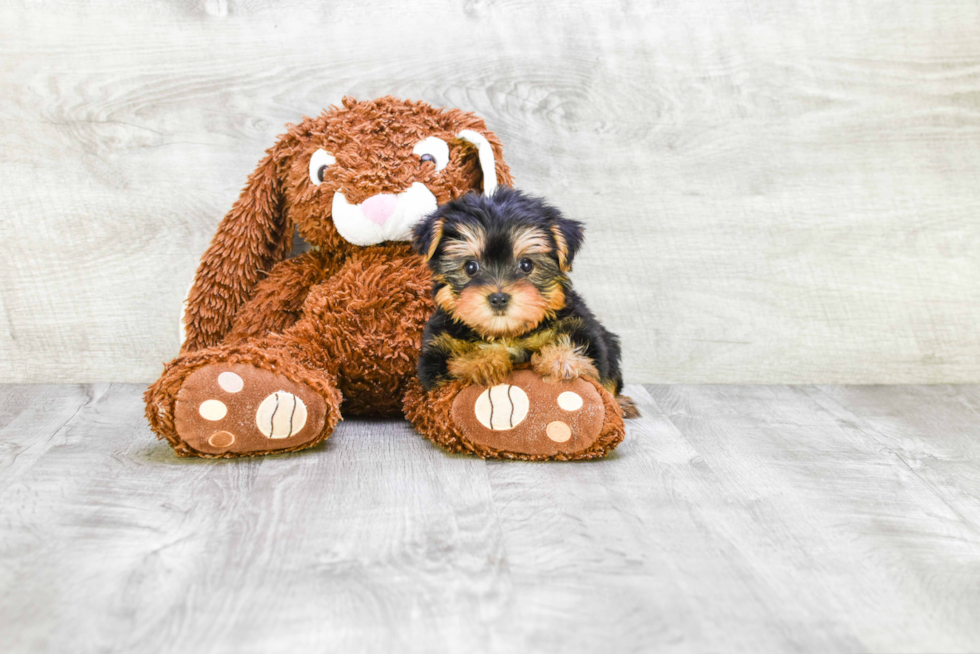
[500,269]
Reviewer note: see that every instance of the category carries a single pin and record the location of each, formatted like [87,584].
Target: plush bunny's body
[277,348]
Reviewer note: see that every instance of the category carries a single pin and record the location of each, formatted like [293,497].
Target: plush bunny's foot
[523,417]
[234,409]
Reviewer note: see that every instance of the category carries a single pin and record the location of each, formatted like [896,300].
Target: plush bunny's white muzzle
[391,216]
[382,217]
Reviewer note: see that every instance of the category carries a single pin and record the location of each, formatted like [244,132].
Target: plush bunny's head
[369,171]
[357,175]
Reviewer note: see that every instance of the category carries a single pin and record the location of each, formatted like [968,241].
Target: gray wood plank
[733,518]
[840,526]
[774,192]
[109,542]
[934,430]
[14,400]
[34,420]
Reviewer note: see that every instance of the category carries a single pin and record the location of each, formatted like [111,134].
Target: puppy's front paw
[562,362]
[488,365]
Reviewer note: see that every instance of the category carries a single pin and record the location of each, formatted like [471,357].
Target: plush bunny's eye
[433,149]
[319,162]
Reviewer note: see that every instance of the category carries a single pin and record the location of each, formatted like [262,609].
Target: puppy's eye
[319,162]
[471,268]
[526,265]
[433,149]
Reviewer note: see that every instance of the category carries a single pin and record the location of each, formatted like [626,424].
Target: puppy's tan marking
[530,241]
[436,237]
[527,305]
[562,247]
[471,245]
[531,342]
[446,299]
[556,298]
[487,364]
[453,346]
[561,361]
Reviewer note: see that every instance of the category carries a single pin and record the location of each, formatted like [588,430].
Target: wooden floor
[733,518]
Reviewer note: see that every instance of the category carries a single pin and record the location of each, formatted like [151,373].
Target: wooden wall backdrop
[775,192]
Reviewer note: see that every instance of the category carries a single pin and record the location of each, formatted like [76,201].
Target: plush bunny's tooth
[488,164]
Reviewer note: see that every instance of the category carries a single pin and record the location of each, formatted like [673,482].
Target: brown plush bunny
[275,349]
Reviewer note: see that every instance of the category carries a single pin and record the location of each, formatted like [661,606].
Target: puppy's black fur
[506,244]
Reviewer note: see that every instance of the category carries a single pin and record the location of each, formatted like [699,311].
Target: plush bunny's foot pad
[522,418]
[239,409]
[527,415]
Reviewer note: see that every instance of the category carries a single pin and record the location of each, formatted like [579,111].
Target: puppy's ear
[569,235]
[254,236]
[427,234]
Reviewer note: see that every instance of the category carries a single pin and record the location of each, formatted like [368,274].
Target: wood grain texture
[146,552]
[773,192]
[733,518]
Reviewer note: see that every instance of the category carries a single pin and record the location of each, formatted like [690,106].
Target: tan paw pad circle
[281,415]
[502,407]
[230,382]
[558,431]
[212,410]
[570,401]
[221,439]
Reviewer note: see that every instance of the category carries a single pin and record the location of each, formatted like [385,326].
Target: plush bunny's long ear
[254,236]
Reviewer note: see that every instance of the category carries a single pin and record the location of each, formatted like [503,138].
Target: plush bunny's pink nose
[378,208]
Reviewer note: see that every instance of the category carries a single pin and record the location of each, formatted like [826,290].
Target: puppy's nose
[498,300]
[378,208]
